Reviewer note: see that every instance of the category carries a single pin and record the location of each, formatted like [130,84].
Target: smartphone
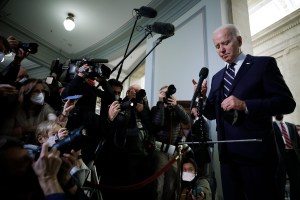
[74,97]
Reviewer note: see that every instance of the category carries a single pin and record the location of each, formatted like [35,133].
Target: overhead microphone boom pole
[148,33]
[143,11]
[159,40]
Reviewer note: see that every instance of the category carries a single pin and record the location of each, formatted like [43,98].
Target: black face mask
[279,117]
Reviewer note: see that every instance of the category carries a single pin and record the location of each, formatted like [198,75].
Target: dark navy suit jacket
[261,85]
[292,130]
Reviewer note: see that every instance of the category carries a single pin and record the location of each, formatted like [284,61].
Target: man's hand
[234,103]
[6,89]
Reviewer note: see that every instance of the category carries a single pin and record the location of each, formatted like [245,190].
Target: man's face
[227,46]
[131,93]
[117,90]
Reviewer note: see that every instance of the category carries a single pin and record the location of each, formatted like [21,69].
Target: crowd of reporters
[121,140]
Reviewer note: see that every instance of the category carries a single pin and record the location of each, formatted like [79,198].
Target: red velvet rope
[133,186]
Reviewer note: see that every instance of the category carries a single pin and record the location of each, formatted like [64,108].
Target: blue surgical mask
[2,55]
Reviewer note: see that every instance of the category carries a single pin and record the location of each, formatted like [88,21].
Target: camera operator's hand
[113,110]
[6,89]
[20,53]
[65,178]
[162,95]
[82,70]
[172,101]
[200,196]
[46,168]
[139,107]
[62,133]
[13,42]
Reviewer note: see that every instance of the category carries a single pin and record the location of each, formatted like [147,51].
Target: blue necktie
[228,79]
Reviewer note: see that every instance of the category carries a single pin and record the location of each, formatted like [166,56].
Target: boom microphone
[146,12]
[202,75]
[99,60]
[163,28]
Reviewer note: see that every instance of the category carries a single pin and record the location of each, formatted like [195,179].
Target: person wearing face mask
[33,109]
[194,186]
[52,132]
[167,116]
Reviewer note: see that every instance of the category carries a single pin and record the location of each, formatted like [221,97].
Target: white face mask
[2,55]
[188,176]
[38,98]
[51,141]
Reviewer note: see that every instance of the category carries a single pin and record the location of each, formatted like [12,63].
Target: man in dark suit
[243,110]
[289,147]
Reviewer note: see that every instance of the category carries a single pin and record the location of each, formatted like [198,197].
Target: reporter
[195,186]
[10,73]
[22,178]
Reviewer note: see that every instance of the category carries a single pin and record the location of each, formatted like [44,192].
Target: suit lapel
[248,62]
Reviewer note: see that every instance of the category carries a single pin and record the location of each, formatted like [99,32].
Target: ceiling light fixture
[69,23]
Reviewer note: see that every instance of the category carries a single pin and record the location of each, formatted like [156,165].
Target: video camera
[74,141]
[29,47]
[170,91]
[67,71]
[97,69]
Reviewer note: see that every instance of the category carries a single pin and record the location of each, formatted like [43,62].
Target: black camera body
[128,104]
[170,91]
[139,96]
[29,47]
[74,141]
[97,68]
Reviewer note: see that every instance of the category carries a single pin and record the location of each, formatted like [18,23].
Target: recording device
[73,97]
[73,141]
[96,68]
[29,47]
[202,75]
[170,91]
[146,12]
[67,71]
[166,29]
[139,96]
[128,104]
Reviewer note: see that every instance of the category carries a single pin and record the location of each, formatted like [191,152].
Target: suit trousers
[248,182]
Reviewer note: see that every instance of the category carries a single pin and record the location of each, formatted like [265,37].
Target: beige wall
[282,41]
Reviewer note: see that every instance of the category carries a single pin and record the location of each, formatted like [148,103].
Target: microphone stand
[138,16]
[125,56]
[159,40]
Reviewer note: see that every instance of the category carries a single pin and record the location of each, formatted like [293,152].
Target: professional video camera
[67,71]
[74,141]
[29,47]
[97,69]
[170,91]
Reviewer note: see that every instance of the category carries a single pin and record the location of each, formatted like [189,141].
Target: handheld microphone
[166,29]
[146,12]
[202,75]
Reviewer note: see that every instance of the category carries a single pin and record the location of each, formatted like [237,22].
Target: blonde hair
[45,127]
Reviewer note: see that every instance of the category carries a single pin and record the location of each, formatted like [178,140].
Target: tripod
[93,193]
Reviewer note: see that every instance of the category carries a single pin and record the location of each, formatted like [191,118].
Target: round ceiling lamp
[69,23]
